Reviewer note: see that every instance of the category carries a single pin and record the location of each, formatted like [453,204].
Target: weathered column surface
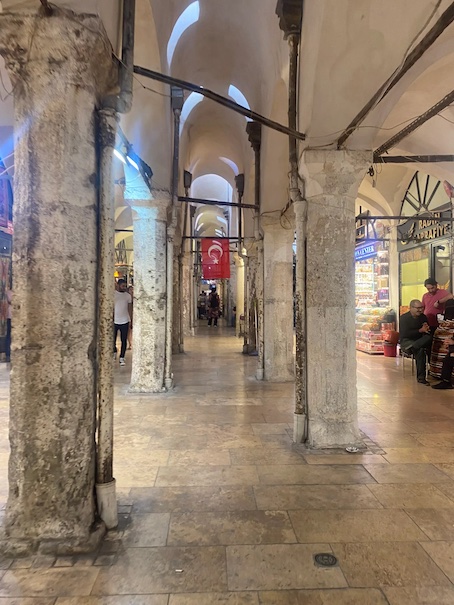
[58,66]
[239,266]
[333,178]
[186,290]
[149,333]
[278,300]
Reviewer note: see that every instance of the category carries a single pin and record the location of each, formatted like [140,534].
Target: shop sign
[424,228]
[365,251]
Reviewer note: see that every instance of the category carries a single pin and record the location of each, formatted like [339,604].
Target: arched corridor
[217,506]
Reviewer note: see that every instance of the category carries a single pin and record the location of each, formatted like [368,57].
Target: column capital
[67,48]
[270,222]
[154,206]
[334,172]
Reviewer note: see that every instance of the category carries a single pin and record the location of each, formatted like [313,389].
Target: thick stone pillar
[58,67]
[333,178]
[252,294]
[148,352]
[239,264]
[177,344]
[278,300]
[187,294]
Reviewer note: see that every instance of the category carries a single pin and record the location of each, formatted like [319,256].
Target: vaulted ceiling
[349,49]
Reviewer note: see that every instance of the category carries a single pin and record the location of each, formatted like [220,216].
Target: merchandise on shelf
[371,329]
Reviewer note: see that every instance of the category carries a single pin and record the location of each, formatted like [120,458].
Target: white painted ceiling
[349,49]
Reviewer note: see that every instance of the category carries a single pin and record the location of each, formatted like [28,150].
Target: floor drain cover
[325,559]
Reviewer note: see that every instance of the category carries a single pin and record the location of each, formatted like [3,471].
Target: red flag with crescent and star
[215,258]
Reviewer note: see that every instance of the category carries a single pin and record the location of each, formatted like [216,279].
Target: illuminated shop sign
[424,228]
[366,251]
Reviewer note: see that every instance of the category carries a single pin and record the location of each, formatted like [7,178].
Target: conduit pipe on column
[177,104]
[258,236]
[180,283]
[299,201]
[240,187]
[107,128]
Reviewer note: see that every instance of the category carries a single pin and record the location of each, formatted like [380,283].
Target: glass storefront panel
[442,254]
[414,269]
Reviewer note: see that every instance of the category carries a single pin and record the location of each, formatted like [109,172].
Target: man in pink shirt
[434,301]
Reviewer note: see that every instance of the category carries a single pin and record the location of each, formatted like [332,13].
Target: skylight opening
[187,18]
[231,165]
[193,99]
[236,94]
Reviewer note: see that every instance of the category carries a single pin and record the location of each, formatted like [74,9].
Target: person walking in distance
[122,318]
[213,307]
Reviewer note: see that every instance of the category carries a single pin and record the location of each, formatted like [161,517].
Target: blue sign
[365,251]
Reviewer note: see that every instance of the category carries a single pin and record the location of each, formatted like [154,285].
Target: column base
[107,503]
[259,374]
[141,389]
[334,435]
[299,428]
[168,384]
[20,547]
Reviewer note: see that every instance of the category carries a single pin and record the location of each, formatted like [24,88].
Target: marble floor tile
[414,495]
[187,499]
[344,459]
[279,567]
[224,598]
[375,525]
[131,599]
[264,455]
[204,457]
[437,524]
[421,454]
[147,529]
[430,595]
[443,555]
[334,596]
[380,564]
[206,475]
[22,601]
[320,474]
[287,497]
[443,440]
[406,473]
[154,571]
[48,582]
[447,489]
[241,527]
[448,469]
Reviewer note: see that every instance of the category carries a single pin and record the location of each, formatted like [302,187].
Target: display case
[369,334]
[372,278]
[371,295]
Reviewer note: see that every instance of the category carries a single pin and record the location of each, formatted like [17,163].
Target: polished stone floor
[217,507]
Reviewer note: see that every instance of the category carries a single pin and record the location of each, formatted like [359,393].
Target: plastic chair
[407,355]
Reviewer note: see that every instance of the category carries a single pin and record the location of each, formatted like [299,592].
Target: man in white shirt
[122,317]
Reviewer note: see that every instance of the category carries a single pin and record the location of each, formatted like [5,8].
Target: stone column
[239,264]
[187,293]
[148,352]
[177,345]
[58,67]
[260,318]
[252,293]
[278,299]
[333,178]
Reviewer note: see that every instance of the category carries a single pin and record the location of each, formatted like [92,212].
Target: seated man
[415,337]
[446,368]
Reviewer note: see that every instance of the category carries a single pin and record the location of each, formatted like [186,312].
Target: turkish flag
[215,258]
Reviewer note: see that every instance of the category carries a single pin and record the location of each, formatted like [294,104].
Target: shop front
[425,239]
[372,296]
